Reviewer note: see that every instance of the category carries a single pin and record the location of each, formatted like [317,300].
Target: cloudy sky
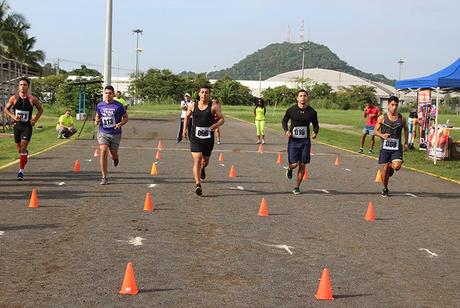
[203,35]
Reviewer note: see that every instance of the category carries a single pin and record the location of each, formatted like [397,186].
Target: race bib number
[391,144]
[108,122]
[24,115]
[203,132]
[300,132]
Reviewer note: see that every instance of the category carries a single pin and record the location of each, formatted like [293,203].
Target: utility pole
[137,32]
[400,62]
[57,66]
[108,45]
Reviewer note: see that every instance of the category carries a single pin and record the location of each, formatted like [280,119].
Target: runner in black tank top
[389,127]
[202,134]
[20,108]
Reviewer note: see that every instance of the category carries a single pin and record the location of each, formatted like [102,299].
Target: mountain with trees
[15,42]
[284,57]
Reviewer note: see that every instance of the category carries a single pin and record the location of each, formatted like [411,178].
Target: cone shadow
[350,295]
[156,290]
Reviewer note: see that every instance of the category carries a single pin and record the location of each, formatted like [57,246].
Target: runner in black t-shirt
[20,108]
[202,133]
[300,115]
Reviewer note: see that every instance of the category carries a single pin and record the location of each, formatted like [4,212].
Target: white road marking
[348,170]
[88,160]
[222,165]
[60,183]
[240,187]
[323,190]
[285,247]
[136,241]
[411,195]
[2,232]
[152,185]
[432,254]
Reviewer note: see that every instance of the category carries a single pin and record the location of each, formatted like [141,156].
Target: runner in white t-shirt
[184,105]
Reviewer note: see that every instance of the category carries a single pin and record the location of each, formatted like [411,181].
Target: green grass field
[338,128]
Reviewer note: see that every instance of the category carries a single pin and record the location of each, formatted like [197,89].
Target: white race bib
[202,132]
[23,114]
[391,144]
[108,122]
[300,132]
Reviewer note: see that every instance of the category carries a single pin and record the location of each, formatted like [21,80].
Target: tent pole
[436,126]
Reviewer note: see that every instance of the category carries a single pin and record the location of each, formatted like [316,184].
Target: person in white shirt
[184,105]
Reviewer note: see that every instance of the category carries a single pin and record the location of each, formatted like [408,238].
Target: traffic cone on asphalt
[76,166]
[337,161]
[154,171]
[160,145]
[305,174]
[261,148]
[221,157]
[232,173]
[378,177]
[96,153]
[148,204]
[263,210]
[370,214]
[279,160]
[129,282]
[158,155]
[33,202]
[324,288]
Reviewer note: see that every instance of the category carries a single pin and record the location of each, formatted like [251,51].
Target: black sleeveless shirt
[394,128]
[202,120]
[24,108]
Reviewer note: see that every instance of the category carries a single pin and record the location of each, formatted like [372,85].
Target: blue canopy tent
[446,80]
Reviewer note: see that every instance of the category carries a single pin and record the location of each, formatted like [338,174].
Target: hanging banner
[423,112]
[441,149]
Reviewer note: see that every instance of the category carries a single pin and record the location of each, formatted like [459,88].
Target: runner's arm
[218,112]
[186,119]
[124,120]
[377,128]
[39,107]
[284,123]
[315,125]
[8,111]
[406,133]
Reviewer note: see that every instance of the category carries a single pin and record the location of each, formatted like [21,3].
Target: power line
[88,64]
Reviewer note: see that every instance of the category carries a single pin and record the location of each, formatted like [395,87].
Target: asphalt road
[214,251]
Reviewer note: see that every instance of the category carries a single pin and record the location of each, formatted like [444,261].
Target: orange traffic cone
[378,177]
[148,204]
[96,153]
[160,145]
[337,160]
[33,203]
[129,282]
[324,288]
[221,157]
[261,148]
[305,174]
[279,160]
[154,171]
[232,173]
[263,210]
[76,166]
[370,214]
[158,156]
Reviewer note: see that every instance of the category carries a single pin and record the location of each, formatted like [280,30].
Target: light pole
[400,62]
[137,32]
[303,49]
[108,45]
[118,68]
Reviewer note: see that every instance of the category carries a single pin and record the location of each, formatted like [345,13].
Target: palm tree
[15,42]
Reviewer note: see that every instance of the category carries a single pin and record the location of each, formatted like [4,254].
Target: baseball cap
[187,94]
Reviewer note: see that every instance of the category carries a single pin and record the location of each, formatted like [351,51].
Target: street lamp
[108,45]
[303,49]
[400,62]
[137,32]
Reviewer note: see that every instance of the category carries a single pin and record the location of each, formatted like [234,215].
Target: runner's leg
[103,152]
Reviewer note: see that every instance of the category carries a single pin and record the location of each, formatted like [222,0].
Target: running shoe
[385,192]
[104,181]
[392,171]
[198,190]
[258,142]
[289,174]
[203,174]
[218,142]
[115,162]
[370,151]
[263,141]
[361,151]
[296,191]
[20,176]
